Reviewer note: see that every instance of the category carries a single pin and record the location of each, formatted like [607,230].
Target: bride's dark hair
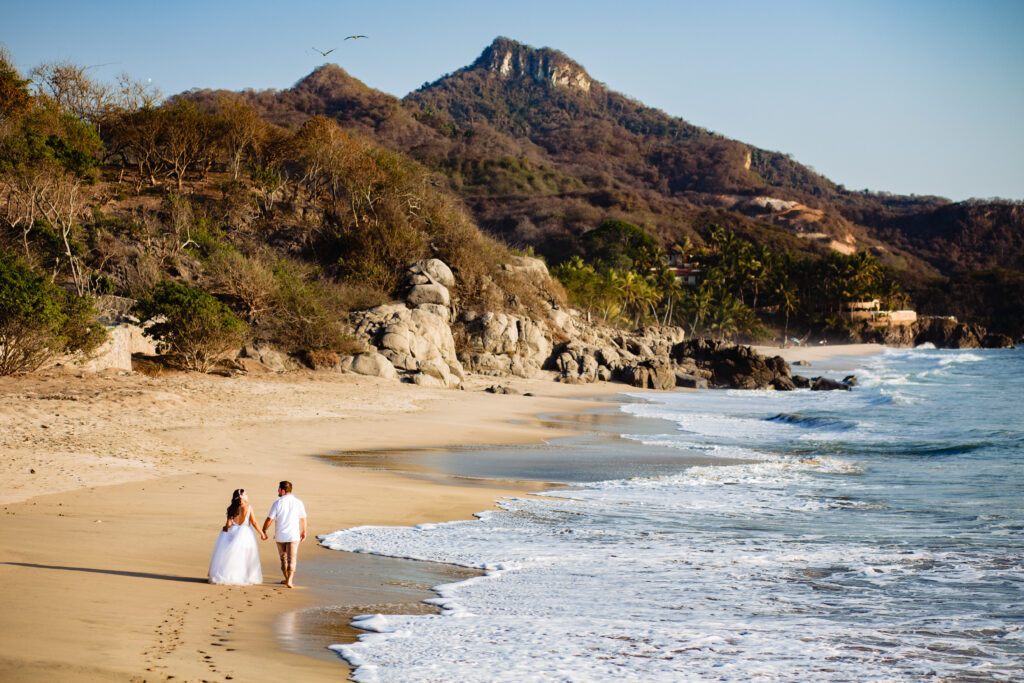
[236,503]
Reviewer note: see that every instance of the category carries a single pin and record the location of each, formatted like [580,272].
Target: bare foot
[289,584]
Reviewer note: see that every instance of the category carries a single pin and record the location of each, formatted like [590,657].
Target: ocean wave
[773,568]
[811,422]
[961,357]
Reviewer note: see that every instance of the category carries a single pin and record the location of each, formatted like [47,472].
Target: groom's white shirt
[287,510]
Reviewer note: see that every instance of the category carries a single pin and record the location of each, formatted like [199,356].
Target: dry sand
[115,487]
[820,353]
[105,545]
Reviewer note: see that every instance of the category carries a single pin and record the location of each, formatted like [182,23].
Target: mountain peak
[330,78]
[514,60]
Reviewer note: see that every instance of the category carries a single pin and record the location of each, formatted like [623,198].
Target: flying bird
[325,53]
[355,37]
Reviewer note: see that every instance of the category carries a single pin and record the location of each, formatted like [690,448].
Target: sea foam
[872,540]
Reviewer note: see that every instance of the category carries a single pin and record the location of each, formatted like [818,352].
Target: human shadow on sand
[113,572]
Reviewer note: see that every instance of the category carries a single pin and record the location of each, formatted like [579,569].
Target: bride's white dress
[236,558]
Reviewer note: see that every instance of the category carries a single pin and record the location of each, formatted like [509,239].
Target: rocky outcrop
[688,381]
[124,337]
[414,341]
[513,60]
[736,367]
[826,384]
[411,340]
[602,354]
[371,364]
[943,333]
[994,340]
[947,333]
[651,374]
[503,344]
[269,356]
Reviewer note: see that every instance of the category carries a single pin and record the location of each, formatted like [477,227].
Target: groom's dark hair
[285,486]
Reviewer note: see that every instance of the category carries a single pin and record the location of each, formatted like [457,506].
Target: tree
[185,141]
[71,90]
[621,245]
[191,323]
[62,199]
[308,310]
[241,128]
[248,280]
[48,172]
[787,306]
[15,98]
[40,321]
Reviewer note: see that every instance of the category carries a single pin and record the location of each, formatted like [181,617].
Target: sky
[904,96]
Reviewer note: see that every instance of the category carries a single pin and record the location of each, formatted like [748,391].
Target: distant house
[871,312]
[688,274]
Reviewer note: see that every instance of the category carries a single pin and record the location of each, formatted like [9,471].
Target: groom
[290,515]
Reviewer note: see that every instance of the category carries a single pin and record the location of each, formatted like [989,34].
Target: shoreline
[108,581]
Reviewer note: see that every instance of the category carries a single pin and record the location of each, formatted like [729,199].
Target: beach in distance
[117,485]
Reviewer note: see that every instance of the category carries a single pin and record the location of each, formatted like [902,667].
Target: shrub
[191,323]
[40,321]
[247,281]
[310,312]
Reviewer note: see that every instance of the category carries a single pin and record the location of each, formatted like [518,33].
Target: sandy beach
[819,353]
[116,486]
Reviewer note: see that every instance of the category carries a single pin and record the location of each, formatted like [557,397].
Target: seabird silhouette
[325,53]
[351,37]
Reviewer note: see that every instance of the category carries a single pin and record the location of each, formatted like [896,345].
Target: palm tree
[760,267]
[727,316]
[667,284]
[698,301]
[787,306]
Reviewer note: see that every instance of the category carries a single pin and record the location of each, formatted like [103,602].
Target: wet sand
[107,582]
[116,487]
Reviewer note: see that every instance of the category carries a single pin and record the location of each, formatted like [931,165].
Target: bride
[236,559]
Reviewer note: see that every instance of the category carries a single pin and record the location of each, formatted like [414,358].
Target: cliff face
[513,60]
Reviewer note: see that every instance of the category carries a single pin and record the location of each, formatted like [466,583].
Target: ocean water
[871,535]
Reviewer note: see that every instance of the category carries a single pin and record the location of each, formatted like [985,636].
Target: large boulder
[269,356]
[428,294]
[115,353]
[826,384]
[783,384]
[490,336]
[688,381]
[431,271]
[528,269]
[947,333]
[995,340]
[650,374]
[371,364]
[563,320]
[736,367]
[413,340]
